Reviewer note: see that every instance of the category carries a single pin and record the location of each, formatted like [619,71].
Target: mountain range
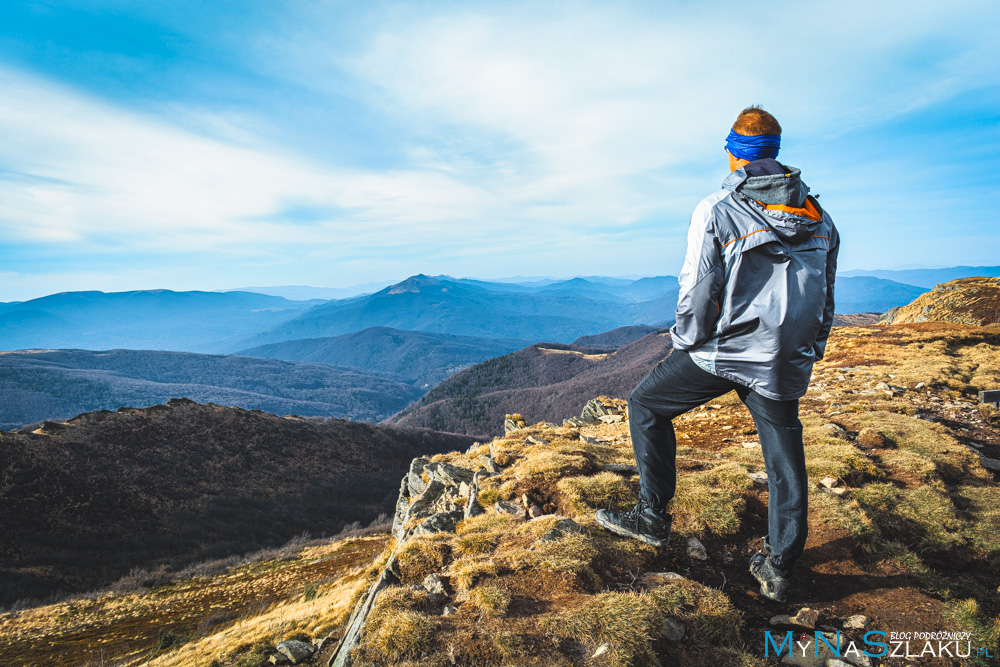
[228,322]
[559,312]
[143,320]
[57,384]
[423,359]
[927,278]
[543,382]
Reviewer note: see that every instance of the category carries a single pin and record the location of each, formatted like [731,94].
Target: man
[753,315]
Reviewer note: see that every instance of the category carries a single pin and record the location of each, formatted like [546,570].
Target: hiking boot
[773,583]
[641,522]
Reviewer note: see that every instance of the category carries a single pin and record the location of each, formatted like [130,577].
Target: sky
[192,145]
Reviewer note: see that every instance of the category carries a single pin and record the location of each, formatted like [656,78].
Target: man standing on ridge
[753,315]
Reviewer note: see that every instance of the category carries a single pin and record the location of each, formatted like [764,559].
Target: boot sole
[765,590]
[776,597]
[618,530]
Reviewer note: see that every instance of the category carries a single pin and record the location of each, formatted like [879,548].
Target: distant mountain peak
[415,283]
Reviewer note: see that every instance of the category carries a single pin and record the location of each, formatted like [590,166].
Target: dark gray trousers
[677,385]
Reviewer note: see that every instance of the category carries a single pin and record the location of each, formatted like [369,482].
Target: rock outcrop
[973,301]
[433,498]
[600,409]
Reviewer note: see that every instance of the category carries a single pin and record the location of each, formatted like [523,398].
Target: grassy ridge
[82,503]
[57,384]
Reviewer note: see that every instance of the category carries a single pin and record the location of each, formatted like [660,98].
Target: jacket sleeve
[819,347]
[701,278]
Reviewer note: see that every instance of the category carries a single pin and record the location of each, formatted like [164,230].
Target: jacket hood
[786,189]
[781,197]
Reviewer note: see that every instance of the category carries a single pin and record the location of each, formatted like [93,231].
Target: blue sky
[191,145]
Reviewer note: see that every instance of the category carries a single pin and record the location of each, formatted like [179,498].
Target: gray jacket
[756,299]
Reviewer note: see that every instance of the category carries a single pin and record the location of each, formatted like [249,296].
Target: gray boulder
[295,651]
[442,522]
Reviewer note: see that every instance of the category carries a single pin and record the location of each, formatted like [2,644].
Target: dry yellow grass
[204,617]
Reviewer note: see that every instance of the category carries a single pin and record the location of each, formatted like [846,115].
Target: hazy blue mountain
[928,277]
[420,357]
[867,295]
[153,319]
[307,293]
[558,311]
[445,305]
[594,287]
[58,384]
[615,337]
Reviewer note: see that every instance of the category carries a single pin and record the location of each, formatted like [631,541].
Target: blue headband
[753,148]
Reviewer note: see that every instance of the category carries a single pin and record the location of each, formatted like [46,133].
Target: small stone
[591,440]
[279,660]
[835,430]
[295,650]
[621,468]
[751,445]
[658,578]
[563,527]
[601,650]
[839,491]
[920,385]
[536,441]
[837,662]
[990,464]
[806,618]
[434,585]
[673,629]
[829,482]
[857,622]
[856,659]
[449,610]
[719,456]
[535,511]
[611,419]
[696,550]
[759,478]
[514,509]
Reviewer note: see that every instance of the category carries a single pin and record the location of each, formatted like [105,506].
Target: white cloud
[519,122]
[612,92]
[88,172]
